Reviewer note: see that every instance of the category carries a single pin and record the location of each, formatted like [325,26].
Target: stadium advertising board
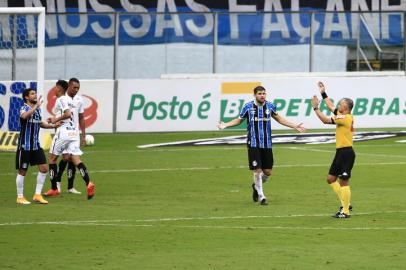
[196,104]
[96,27]
[97,96]
[166,105]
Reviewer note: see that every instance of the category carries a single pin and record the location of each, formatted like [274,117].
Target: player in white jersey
[79,124]
[63,135]
[69,135]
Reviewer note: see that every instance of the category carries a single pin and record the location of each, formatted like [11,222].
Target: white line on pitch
[122,222]
[259,217]
[66,222]
[225,168]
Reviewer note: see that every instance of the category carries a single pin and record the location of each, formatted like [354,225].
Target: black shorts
[260,158]
[343,163]
[29,158]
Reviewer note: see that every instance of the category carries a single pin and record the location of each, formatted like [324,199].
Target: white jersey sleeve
[61,105]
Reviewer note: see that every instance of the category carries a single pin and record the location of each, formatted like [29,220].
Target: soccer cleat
[90,190]
[52,193]
[264,201]
[254,193]
[341,215]
[39,199]
[22,200]
[74,191]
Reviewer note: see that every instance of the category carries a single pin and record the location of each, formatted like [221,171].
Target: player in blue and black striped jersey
[258,114]
[29,151]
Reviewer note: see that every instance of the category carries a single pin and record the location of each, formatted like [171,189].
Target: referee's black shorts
[343,163]
[260,158]
[25,158]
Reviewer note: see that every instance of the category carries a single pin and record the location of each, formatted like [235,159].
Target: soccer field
[191,208]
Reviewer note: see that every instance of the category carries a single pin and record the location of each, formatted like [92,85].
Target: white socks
[258,184]
[58,186]
[40,182]
[20,185]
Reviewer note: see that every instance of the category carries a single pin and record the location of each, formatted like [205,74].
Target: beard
[261,101]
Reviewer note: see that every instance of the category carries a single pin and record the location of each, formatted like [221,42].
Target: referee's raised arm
[323,93]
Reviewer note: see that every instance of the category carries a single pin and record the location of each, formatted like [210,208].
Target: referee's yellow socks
[337,189]
[346,197]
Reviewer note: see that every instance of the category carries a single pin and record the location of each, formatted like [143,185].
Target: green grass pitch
[191,208]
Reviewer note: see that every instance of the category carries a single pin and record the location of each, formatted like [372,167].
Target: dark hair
[26,92]
[63,84]
[71,80]
[349,102]
[259,88]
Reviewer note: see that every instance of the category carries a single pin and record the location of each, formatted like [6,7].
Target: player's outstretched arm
[286,123]
[328,102]
[44,124]
[232,123]
[323,118]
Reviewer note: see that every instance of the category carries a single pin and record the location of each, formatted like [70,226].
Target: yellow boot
[39,199]
[22,200]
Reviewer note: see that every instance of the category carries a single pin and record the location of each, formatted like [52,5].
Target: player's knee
[257,171]
[22,172]
[331,179]
[267,172]
[52,159]
[43,168]
[344,182]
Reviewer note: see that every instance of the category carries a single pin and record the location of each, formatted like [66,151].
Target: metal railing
[114,53]
[376,44]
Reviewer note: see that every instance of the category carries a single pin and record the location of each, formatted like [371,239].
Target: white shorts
[73,148]
[65,146]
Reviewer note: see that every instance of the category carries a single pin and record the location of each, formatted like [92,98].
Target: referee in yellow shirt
[345,155]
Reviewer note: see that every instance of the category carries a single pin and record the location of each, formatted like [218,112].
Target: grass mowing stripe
[300,228]
[357,153]
[228,147]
